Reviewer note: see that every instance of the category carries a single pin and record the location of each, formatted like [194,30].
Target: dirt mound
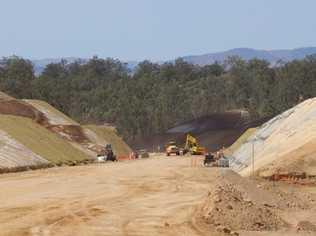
[278,138]
[306,226]
[227,208]
[235,204]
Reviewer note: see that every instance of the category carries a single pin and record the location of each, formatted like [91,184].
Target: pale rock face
[281,135]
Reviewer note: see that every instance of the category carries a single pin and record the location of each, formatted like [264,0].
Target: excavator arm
[192,146]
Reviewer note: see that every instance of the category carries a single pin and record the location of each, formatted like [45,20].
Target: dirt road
[144,197]
[157,196]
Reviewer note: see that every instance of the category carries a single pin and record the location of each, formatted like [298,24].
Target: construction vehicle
[192,146]
[143,153]
[172,148]
[107,154]
[215,160]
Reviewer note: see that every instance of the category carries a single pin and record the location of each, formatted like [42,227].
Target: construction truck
[192,146]
[172,148]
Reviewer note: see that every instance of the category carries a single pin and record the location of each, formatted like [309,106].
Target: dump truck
[172,148]
[192,146]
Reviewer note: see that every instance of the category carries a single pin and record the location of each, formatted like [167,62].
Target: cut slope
[279,137]
[54,116]
[300,160]
[240,141]
[20,108]
[65,127]
[4,96]
[41,141]
[34,132]
[103,135]
[213,131]
[14,154]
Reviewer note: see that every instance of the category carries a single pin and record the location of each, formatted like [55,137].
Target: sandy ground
[157,196]
[131,198]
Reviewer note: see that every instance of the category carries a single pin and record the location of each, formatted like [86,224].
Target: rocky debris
[306,226]
[226,210]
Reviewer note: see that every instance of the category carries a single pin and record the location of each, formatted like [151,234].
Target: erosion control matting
[40,140]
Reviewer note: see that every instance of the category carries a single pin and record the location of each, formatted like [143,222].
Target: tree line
[155,97]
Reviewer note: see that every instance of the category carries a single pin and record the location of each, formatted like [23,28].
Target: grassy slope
[110,135]
[40,140]
[50,111]
[241,140]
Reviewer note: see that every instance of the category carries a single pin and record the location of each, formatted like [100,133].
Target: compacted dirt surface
[156,196]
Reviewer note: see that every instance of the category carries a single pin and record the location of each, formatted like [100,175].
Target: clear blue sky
[152,29]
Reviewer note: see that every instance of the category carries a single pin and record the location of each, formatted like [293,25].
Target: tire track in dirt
[146,197]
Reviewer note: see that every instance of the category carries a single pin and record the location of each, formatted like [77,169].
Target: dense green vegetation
[155,97]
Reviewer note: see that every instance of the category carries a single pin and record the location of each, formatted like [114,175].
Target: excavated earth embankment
[286,143]
[213,131]
[35,134]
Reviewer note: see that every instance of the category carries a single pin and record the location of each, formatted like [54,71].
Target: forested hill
[158,96]
[40,64]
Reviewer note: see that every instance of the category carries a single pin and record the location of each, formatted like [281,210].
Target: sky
[151,29]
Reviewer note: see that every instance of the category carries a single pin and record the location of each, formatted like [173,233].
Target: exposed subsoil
[20,108]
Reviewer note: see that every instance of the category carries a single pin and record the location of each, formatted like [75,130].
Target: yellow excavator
[192,146]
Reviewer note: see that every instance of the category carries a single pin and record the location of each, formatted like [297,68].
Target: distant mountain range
[272,56]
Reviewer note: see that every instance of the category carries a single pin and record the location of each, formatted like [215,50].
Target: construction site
[223,174]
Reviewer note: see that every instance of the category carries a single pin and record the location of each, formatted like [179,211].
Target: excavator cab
[109,154]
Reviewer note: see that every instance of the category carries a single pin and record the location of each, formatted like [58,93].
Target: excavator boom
[192,146]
